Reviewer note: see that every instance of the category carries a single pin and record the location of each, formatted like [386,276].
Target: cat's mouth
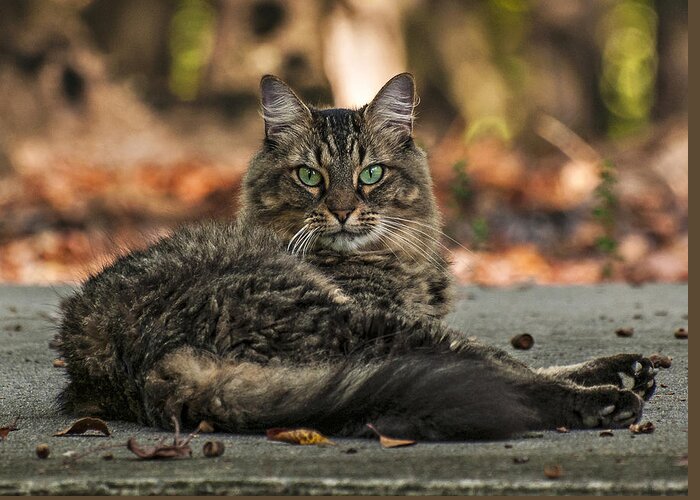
[347,240]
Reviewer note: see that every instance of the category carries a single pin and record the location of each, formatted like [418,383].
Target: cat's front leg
[625,371]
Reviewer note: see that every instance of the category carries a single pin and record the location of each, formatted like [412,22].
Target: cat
[319,306]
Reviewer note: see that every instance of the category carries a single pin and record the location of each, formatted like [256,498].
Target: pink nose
[342,215]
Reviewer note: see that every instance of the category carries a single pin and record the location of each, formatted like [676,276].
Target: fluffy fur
[319,306]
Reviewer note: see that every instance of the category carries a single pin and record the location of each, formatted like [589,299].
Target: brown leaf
[205,427]
[562,430]
[660,361]
[388,442]
[213,449]
[553,471]
[643,428]
[179,449]
[522,341]
[299,436]
[84,425]
[59,363]
[6,429]
[158,451]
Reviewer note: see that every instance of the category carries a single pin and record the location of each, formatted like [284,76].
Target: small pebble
[213,449]
[624,332]
[42,451]
[522,341]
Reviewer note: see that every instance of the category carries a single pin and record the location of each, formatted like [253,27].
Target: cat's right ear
[282,110]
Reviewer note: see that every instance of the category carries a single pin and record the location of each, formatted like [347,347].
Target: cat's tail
[430,396]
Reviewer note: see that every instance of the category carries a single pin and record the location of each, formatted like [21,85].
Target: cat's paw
[608,406]
[626,371]
[639,376]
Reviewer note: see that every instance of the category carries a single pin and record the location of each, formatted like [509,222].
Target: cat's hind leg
[625,371]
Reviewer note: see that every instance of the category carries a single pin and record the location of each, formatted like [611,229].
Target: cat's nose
[342,215]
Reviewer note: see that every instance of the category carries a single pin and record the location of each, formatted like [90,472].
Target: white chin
[346,242]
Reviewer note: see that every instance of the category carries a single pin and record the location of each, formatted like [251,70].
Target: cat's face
[340,179]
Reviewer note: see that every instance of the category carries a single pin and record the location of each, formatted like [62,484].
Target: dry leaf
[644,428]
[298,436]
[59,363]
[159,450]
[179,449]
[84,425]
[562,430]
[388,442]
[213,449]
[6,429]
[522,341]
[205,427]
[553,471]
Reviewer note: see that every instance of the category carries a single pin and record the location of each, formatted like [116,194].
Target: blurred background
[557,130]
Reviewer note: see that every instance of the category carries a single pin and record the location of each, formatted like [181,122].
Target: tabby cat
[320,306]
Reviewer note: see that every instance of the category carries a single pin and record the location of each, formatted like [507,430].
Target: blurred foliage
[604,212]
[629,60]
[191,41]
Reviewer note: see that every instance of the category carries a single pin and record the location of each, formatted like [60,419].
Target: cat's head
[347,180]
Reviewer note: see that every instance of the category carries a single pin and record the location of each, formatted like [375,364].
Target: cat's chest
[397,287]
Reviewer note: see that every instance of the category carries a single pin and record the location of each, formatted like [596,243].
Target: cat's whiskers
[400,219]
[415,244]
[409,238]
[296,235]
[300,242]
[431,237]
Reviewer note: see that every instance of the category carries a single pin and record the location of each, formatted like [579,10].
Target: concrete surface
[568,324]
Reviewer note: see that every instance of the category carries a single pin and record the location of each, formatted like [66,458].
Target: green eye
[372,174]
[309,176]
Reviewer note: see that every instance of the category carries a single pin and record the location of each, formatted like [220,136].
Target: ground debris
[299,436]
[388,442]
[6,429]
[84,426]
[643,428]
[523,341]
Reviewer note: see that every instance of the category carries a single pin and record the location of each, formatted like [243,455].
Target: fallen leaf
[205,427]
[553,471]
[213,449]
[299,436]
[681,333]
[59,363]
[523,341]
[562,430]
[644,428]
[660,361]
[42,450]
[624,332]
[84,425]
[388,442]
[6,429]
[179,449]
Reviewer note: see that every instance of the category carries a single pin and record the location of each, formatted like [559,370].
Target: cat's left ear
[282,110]
[392,107]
